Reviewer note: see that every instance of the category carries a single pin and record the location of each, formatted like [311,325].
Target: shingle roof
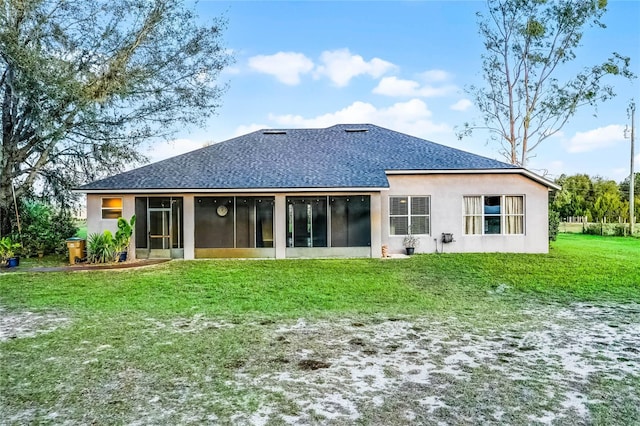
[341,156]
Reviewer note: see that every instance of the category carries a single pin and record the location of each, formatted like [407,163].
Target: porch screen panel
[177,227]
[306,222]
[159,202]
[359,213]
[339,222]
[264,222]
[141,222]
[319,212]
[351,221]
[213,224]
[244,222]
[301,224]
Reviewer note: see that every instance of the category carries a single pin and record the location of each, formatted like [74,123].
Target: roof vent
[356,130]
[274,132]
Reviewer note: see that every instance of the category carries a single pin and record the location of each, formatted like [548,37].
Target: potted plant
[8,249]
[40,249]
[410,243]
[123,237]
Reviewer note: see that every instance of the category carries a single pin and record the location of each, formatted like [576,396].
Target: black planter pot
[123,257]
[409,250]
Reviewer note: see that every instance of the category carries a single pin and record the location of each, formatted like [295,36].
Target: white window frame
[503,215]
[103,208]
[409,215]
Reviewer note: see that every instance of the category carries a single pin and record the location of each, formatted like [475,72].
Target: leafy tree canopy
[529,44]
[84,82]
[594,197]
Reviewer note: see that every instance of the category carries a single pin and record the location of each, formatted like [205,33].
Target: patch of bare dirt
[312,364]
[417,370]
[18,325]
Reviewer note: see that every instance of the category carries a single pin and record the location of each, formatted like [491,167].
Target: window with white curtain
[493,214]
[409,215]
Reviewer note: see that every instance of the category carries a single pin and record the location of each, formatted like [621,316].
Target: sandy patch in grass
[408,370]
[18,325]
[549,364]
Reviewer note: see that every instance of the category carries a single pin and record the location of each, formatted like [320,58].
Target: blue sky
[400,65]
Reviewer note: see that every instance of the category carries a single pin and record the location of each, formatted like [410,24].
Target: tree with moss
[530,45]
[83,83]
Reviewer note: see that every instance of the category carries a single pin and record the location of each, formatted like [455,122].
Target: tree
[624,186]
[83,83]
[606,200]
[571,200]
[527,44]
[607,207]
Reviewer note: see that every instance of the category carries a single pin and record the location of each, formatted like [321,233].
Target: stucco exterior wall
[95,223]
[446,192]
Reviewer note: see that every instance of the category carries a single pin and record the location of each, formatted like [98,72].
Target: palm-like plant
[100,248]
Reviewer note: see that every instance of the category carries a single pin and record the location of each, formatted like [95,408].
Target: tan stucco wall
[447,191]
[189,225]
[95,223]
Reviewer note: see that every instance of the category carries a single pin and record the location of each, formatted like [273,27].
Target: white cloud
[340,66]
[285,66]
[436,76]
[249,128]
[592,140]
[412,117]
[394,86]
[462,105]
[163,150]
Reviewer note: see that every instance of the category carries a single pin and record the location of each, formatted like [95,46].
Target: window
[111,208]
[409,214]
[333,221]
[494,214]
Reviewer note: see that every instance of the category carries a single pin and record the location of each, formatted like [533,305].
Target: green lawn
[220,341]
[578,267]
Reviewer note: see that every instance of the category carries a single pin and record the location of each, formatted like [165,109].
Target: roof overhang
[223,190]
[520,171]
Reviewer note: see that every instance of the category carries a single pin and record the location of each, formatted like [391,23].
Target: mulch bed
[88,267]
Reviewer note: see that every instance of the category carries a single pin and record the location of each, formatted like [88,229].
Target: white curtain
[514,214]
[473,215]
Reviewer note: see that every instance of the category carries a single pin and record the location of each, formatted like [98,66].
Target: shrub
[621,230]
[554,224]
[607,229]
[593,229]
[45,228]
[100,248]
[123,235]
[8,248]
